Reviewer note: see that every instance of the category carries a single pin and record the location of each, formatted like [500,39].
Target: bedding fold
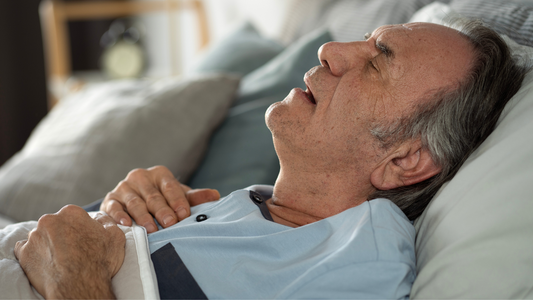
[135,280]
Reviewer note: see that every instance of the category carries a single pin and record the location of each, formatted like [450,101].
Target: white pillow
[475,239]
[347,20]
[435,12]
[91,140]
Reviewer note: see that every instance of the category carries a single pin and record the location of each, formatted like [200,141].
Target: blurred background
[167,43]
[23,96]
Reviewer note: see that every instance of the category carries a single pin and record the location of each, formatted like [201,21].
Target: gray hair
[457,120]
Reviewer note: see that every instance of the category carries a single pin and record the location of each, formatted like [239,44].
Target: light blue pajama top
[233,252]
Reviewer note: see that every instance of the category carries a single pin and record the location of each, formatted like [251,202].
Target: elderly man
[393,116]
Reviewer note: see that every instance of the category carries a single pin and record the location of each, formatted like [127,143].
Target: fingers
[116,211]
[124,203]
[19,248]
[111,226]
[181,197]
[153,192]
[138,210]
[175,199]
[105,220]
[69,250]
[149,184]
[185,188]
[199,196]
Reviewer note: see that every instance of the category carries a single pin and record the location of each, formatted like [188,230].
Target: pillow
[4,221]
[436,12]
[285,71]
[474,239]
[241,152]
[514,19]
[349,20]
[91,140]
[241,52]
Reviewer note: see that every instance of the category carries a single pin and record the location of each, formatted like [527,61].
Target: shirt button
[256,197]
[201,218]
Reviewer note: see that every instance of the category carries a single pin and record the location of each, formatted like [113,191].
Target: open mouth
[310,95]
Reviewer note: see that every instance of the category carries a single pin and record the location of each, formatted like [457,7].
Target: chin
[288,118]
[271,114]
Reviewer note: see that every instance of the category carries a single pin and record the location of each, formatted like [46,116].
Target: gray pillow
[241,152]
[512,18]
[90,141]
[349,20]
[241,52]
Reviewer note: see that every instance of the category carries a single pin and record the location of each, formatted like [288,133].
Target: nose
[341,57]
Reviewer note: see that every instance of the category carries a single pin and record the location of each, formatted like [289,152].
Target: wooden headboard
[55,15]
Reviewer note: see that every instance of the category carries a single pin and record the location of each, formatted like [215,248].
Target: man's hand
[70,255]
[154,192]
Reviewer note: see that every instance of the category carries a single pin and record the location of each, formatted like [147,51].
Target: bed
[473,241]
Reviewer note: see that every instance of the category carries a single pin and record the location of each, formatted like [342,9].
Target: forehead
[414,36]
[426,53]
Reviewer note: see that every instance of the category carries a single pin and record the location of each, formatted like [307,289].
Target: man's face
[363,84]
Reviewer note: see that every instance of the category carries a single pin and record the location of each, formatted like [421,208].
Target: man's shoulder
[380,206]
[393,231]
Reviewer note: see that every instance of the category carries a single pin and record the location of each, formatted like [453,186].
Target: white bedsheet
[135,280]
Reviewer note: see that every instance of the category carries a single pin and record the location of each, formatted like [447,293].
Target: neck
[301,198]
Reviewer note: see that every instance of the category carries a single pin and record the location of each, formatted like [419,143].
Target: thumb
[18,248]
[199,196]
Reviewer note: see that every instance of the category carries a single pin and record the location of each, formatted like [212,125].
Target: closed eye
[385,50]
[373,64]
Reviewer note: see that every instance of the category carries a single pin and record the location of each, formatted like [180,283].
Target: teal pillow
[286,71]
[241,152]
[240,53]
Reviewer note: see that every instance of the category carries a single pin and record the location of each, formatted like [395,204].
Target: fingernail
[167,220]
[182,213]
[123,221]
[149,227]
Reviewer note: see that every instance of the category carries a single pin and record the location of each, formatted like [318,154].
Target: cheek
[341,131]
[347,115]
[349,125]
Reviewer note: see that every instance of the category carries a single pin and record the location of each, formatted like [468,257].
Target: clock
[123,60]
[123,55]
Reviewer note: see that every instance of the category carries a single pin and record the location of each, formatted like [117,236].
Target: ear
[407,165]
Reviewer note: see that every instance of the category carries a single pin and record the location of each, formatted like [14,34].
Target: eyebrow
[382,47]
[385,50]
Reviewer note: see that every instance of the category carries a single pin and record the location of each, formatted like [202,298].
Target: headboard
[55,15]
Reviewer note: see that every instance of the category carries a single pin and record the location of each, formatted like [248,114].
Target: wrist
[77,288]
